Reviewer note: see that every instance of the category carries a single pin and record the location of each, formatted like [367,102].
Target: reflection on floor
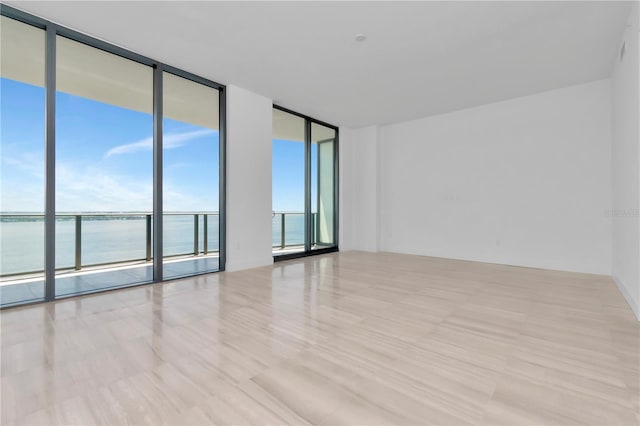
[344,338]
[106,278]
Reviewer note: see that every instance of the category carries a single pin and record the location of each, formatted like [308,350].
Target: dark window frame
[308,251]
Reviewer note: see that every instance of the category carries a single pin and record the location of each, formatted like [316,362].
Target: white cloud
[96,190]
[169,141]
[93,189]
[28,162]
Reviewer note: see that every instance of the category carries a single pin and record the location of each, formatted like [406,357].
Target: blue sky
[104,158]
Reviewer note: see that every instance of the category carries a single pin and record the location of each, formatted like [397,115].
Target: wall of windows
[305,217]
[111,166]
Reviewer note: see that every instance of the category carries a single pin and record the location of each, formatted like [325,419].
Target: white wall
[249,123]
[346,203]
[359,158]
[626,160]
[522,182]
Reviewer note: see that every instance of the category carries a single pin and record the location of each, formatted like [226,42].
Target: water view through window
[191,168]
[304,194]
[104,169]
[103,162]
[93,164]
[288,190]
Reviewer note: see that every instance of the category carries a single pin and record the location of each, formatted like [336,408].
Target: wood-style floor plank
[348,338]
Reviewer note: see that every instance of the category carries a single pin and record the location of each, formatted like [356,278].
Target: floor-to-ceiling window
[22,107]
[304,185]
[104,169]
[191,167]
[112,167]
[288,193]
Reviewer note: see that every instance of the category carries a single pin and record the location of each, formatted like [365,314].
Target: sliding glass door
[304,185]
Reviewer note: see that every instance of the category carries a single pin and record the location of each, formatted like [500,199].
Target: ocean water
[114,239]
[294,229]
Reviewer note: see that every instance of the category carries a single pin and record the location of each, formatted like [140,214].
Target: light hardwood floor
[347,338]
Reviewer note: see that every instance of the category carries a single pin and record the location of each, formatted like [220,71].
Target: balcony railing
[189,238]
[296,234]
[78,218]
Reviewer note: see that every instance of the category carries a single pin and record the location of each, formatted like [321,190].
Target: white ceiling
[419,59]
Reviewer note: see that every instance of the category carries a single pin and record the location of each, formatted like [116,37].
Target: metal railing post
[282,230]
[196,243]
[78,263]
[314,227]
[148,238]
[206,234]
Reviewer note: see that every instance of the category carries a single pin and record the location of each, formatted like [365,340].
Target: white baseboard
[632,303]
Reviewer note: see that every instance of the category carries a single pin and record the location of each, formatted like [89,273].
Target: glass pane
[288,183]
[191,166]
[104,164]
[322,186]
[22,162]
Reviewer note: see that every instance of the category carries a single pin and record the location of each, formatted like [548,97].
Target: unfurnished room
[320,213]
